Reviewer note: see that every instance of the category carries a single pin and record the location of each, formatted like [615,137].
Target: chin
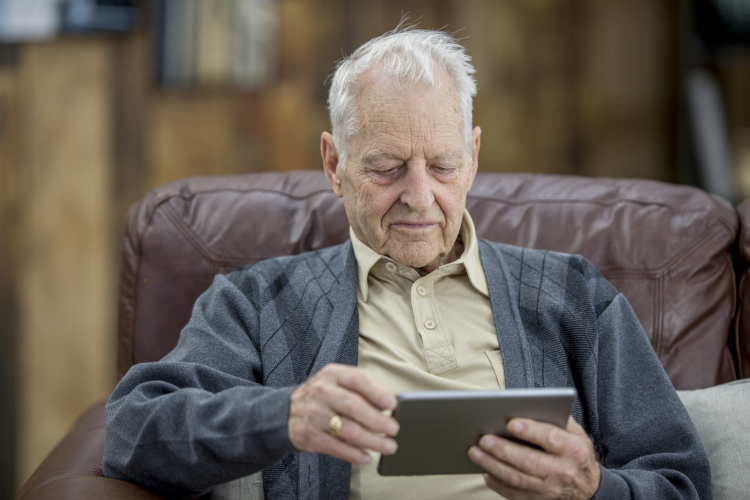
[414,256]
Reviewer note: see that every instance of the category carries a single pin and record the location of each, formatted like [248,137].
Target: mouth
[414,226]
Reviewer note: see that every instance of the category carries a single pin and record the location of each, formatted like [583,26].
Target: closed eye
[386,173]
[444,170]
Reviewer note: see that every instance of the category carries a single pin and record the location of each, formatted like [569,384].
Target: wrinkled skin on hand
[358,398]
[565,468]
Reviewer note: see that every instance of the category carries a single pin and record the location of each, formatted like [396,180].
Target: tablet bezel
[439,427]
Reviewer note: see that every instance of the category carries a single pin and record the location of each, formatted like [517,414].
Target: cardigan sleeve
[200,416]
[649,446]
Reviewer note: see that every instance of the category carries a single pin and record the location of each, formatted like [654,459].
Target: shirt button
[391,267]
[421,290]
[429,324]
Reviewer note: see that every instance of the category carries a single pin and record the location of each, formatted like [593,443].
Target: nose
[417,192]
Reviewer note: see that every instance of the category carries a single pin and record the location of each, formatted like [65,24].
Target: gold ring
[334,426]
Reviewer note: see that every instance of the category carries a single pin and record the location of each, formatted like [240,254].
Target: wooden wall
[734,73]
[565,86]
[56,172]
[10,251]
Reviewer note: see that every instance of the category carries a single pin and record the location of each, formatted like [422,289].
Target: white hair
[410,57]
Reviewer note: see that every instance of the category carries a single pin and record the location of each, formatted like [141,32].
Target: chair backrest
[666,247]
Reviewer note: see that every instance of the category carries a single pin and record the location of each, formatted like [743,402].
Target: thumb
[574,427]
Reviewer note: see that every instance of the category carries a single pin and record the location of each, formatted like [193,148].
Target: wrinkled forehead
[390,113]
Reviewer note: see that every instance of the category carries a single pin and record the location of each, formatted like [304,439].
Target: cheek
[451,202]
[374,202]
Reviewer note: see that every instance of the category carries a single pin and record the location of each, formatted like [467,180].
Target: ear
[476,140]
[331,163]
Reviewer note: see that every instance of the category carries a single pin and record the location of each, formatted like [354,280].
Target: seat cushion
[721,416]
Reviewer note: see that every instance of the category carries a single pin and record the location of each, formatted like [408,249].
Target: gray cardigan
[216,407]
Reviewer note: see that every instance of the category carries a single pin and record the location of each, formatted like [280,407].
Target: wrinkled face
[407,172]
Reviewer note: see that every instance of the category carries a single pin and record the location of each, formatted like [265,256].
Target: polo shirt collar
[367,258]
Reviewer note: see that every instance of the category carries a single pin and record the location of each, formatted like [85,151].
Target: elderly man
[288,365]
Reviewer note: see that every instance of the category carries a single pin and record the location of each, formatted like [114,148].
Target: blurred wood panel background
[10,194]
[565,86]
[64,283]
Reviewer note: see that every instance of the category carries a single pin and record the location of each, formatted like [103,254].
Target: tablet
[439,427]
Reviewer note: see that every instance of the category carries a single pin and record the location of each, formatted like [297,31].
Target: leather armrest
[74,468]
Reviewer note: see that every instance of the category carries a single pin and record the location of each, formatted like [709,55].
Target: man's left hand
[566,468]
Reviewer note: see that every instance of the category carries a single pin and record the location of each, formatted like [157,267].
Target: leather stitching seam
[539,201]
[56,478]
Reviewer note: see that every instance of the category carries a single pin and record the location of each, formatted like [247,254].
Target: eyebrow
[449,156]
[375,157]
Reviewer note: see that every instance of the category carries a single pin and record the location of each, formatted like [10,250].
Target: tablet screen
[439,427]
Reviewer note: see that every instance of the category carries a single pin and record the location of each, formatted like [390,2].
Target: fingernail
[474,453]
[366,459]
[390,447]
[392,429]
[387,402]
[516,427]
[486,442]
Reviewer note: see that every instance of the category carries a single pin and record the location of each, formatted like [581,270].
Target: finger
[527,460]
[337,448]
[549,437]
[503,489]
[356,408]
[504,472]
[354,434]
[365,384]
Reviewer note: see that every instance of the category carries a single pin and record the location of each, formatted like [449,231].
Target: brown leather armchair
[676,252]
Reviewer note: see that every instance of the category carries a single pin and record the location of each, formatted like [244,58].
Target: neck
[453,255]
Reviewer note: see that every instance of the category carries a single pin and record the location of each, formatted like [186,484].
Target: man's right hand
[352,394]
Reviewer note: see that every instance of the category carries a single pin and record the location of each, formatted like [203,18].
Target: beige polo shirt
[418,333]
